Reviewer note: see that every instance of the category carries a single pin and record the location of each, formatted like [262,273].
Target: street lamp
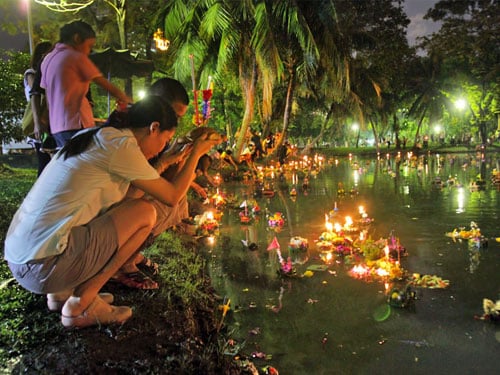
[460,104]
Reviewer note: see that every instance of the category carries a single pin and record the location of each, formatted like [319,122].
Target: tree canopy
[310,69]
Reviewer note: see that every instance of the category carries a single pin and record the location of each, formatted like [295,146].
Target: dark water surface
[332,323]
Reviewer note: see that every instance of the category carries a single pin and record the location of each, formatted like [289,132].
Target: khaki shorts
[89,249]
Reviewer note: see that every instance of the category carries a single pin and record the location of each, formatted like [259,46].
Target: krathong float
[299,244]
[218,199]
[380,269]
[267,190]
[286,268]
[298,248]
[491,310]
[429,281]
[396,250]
[401,298]
[244,215]
[340,189]
[276,220]
[207,225]
[473,234]
[364,220]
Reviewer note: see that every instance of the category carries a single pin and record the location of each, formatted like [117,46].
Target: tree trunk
[375,135]
[329,114]
[247,82]
[288,109]
[418,127]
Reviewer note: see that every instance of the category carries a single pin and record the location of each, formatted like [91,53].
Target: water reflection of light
[460,200]
[406,170]
[356,177]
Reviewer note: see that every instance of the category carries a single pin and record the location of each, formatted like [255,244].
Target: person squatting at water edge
[174,93]
[86,216]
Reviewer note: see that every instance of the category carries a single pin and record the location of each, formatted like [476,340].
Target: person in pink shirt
[67,73]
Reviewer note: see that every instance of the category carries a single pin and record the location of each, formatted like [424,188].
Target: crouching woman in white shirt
[77,227]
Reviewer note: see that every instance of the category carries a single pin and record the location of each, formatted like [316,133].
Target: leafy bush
[12,99]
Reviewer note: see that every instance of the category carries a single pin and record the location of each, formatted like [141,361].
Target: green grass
[174,318]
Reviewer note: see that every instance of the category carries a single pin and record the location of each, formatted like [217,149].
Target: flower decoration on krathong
[276,220]
[298,244]
[245,216]
[207,225]
[474,233]
[286,265]
[364,220]
[218,199]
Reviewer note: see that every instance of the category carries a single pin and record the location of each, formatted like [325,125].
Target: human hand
[204,143]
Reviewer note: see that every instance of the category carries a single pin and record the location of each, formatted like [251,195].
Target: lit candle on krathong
[328,257]
[386,251]
[329,227]
[360,271]
[348,222]
[161,42]
[338,227]
[210,215]
[381,272]
[362,235]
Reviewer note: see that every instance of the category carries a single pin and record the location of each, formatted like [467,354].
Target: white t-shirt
[27,87]
[74,191]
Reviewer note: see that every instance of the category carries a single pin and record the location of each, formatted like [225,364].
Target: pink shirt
[66,77]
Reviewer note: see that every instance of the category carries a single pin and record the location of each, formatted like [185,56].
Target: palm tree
[427,87]
[269,42]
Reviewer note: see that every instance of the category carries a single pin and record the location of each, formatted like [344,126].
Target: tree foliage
[12,98]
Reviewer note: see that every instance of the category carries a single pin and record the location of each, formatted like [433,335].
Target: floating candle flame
[329,227]
[348,221]
[161,42]
[337,227]
[381,272]
[360,270]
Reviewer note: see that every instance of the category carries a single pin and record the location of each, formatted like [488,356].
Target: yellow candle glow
[329,226]
[337,227]
[348,221]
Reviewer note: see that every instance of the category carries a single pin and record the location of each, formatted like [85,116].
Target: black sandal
[147,265]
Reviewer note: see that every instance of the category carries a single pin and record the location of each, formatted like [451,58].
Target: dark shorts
[63,137]
[89,249]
